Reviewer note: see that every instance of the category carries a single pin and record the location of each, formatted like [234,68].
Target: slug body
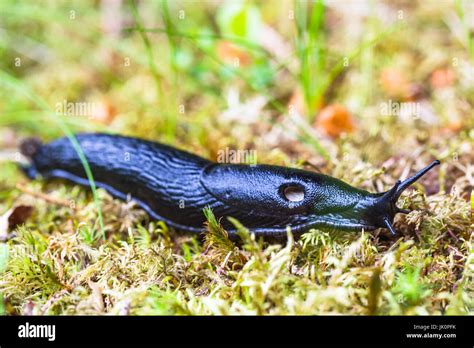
[175,186]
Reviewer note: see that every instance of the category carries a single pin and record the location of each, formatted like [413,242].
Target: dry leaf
[334,120]
[19,215]
[12,218]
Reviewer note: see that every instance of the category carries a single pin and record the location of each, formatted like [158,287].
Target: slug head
[267,199]
[384,208]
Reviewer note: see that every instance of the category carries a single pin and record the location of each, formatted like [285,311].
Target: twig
[44,197]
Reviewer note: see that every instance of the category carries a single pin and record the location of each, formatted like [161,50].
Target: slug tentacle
[387,202]
[389,226]
[407,182]
[175,186]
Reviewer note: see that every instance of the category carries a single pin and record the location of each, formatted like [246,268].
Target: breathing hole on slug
[293,193]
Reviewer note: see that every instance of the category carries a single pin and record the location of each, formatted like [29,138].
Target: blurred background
[293,79]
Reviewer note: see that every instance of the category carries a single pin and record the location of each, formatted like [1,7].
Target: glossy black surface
[175,186]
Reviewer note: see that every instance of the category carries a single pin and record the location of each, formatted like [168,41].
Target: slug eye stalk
[391,197]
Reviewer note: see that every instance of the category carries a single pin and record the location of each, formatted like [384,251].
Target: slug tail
[29,148]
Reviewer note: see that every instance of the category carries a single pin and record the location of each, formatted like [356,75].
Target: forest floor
[366,94]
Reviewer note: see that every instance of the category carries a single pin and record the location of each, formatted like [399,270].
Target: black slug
[175,186]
